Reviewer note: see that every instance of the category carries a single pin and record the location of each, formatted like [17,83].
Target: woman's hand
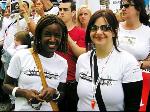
[31,95]
[47,93]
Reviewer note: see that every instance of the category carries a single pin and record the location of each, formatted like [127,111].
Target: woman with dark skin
[23,80]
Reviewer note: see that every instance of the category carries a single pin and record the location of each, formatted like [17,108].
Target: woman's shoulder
[22,53]
[85,56]
[145,28]
[60,58]
[126,56]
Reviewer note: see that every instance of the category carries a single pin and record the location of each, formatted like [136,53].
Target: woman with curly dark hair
[23,78]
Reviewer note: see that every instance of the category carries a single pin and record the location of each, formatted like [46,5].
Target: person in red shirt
[76,46]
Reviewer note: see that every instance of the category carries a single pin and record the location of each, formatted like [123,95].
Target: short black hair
[73,4]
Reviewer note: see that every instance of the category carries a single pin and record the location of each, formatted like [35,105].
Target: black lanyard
[98,95]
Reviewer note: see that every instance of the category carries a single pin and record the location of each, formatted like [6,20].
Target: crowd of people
[55,57]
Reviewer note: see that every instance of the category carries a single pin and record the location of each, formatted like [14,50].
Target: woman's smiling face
[101,33]
[51,38]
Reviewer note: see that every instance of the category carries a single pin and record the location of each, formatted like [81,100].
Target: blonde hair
[78,13]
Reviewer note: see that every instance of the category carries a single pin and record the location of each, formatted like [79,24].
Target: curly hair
[44,22]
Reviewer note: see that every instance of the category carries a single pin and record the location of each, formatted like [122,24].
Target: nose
[82,15]
[52,38]
[61,13]
[99,31]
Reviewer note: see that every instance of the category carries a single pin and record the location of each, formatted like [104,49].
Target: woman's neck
[70,25]
[46,54]
[84,26]
[104,51]
[132,25]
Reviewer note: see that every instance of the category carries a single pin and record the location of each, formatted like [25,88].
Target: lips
[51,46]
[99,38]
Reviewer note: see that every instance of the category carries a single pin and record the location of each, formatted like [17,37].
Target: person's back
[22,40]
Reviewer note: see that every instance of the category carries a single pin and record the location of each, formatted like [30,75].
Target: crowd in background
[85,55]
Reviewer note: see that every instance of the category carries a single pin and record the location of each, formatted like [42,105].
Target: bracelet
[56,96]
[14,91]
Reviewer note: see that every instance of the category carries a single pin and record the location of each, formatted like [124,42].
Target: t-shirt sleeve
[132,71]
[14,69]
[77,75]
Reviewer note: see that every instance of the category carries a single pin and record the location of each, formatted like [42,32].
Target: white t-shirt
[121,67]
[5,23]
[21,25]
[137,41]
[12,49]
[23,68]
[54,10]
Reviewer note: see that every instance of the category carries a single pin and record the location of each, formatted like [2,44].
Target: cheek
[88,17]
[80,17]
[58,41]
[92,35]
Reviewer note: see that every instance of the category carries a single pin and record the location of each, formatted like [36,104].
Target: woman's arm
[10,83]
[144,64]
[132,95]
[75,48]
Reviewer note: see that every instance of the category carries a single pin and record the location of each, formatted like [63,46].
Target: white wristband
[14,91]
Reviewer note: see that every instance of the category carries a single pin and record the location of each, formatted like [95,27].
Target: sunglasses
[126,5]
[102,28]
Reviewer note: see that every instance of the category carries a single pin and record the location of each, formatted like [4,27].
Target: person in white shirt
[22,40]
[134,36]
[134,32]
[18,23]
[23,77]
[106,74]
[41,7]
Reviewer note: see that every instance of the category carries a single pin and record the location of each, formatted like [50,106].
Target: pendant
[92,103]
